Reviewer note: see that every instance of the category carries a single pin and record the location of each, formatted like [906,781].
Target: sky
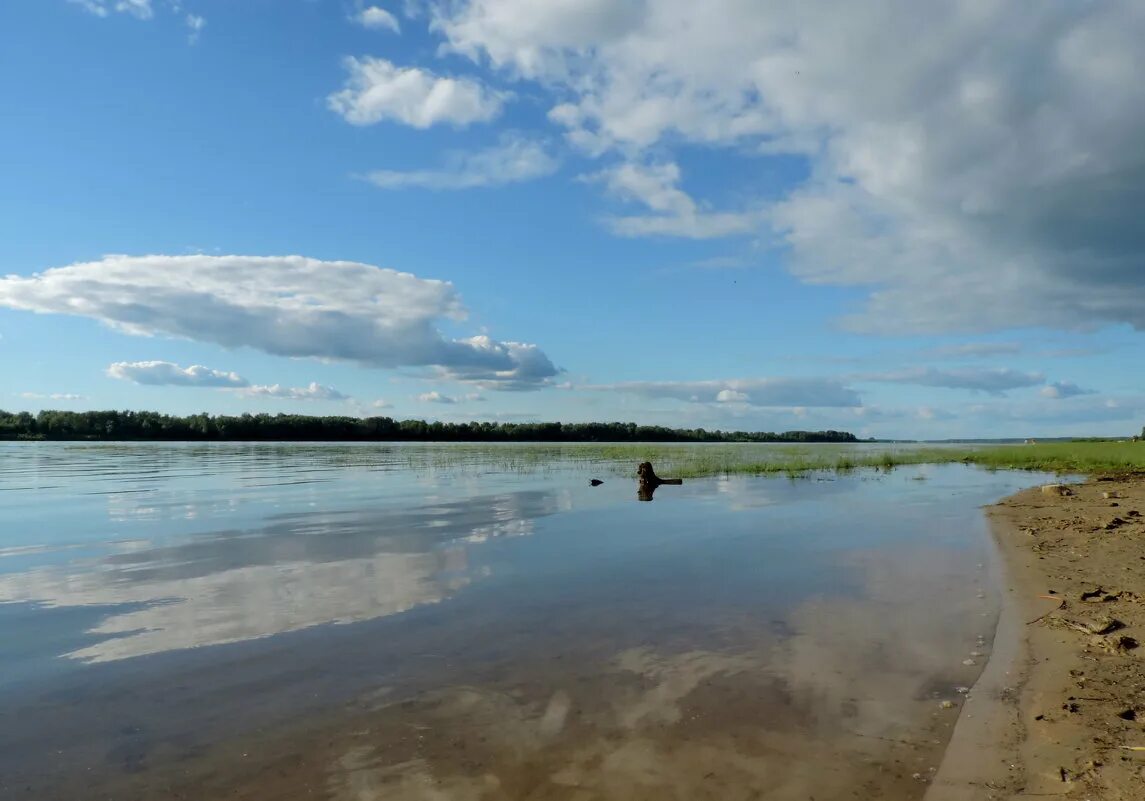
[902,219]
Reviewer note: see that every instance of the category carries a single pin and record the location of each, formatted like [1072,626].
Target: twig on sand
[885,739]
[1061,604]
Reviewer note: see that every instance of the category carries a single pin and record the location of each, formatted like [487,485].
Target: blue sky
[900,219]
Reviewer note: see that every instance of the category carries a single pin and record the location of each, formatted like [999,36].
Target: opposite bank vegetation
[616,447]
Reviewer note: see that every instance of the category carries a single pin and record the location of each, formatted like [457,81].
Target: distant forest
[113,425]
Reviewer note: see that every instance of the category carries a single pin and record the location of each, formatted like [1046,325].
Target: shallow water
[411,621]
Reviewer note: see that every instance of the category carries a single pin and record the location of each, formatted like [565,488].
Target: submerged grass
[694,461]
[688,460]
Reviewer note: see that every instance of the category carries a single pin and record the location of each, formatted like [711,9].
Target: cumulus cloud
[527,365]
[381,403]
[805,392]
[286,306]
[513,160]
[1063,389]
[379,90]
[972,165]
[313,391]
[675,213]
[377,19]
[159,373]
[995,381]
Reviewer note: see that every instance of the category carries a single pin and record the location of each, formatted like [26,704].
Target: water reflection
[298,571]
[515,634]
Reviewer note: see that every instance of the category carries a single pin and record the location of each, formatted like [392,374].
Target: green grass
[1065,457]
[692,461]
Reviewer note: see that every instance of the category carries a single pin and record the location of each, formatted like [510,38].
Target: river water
[464,622]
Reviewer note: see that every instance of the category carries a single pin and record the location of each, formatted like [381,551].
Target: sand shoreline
[1059,705]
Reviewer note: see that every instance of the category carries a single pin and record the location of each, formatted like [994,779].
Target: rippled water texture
[439,622]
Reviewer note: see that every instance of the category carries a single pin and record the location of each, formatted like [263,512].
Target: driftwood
[648,481]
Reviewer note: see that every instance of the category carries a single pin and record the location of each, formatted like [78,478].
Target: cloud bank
[994,381]
[971,165]
[777,392]
[285,306]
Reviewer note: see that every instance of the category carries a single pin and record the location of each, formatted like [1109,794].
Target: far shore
[1059,709]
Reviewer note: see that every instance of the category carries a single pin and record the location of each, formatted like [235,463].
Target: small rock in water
[596,482]
[946,705]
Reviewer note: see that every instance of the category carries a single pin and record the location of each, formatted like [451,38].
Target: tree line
[131,425]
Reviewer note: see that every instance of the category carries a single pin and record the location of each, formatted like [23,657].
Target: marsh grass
[695,461]
[1064,457]
[684,460]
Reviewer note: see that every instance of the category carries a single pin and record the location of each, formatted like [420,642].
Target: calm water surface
[416,622]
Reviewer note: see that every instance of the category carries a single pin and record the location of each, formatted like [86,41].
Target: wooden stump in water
[648,481]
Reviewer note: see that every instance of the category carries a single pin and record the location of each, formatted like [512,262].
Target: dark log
[648,481]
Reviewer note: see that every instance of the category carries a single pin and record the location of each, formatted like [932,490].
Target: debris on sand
[1101,625]
[1056,489]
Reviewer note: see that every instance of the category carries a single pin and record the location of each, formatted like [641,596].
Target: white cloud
[973,165]
[69,396]
[285,306]
[380,90]
[527,365]
[313,391]
[137,8]
[993,380]
[675,212]
[513,160]
[731,396]
[381,403]
[773,392]
[973,350]
[437,397]
[159,373]
[377,19]
[533,36]
[196,24]
[1063,389]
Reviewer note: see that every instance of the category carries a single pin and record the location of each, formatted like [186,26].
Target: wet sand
[1062,705]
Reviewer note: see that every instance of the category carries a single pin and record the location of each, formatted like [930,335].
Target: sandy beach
[1059,710]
